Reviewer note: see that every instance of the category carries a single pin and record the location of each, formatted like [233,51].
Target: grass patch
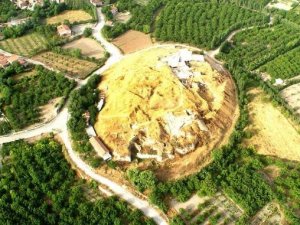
[26,45]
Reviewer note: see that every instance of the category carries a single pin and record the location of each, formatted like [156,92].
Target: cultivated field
[291,95]
[285,66]
[89,47]
[27,45]
[273,133]
[71,15]
[74,67]
[217,209]
[132,41]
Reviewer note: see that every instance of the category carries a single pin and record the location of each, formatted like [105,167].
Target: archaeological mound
[163,102]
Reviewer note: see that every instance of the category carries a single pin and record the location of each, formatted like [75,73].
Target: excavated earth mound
[154,110]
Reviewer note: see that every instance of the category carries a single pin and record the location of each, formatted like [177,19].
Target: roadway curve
[59,125]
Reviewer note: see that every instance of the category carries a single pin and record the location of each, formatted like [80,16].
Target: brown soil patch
[132,41]
[271,173]
[89,47]
[291,95]
[71,15]
[273,133]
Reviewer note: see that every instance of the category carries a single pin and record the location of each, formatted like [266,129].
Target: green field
[284,66]
[202,24]
[27,45]
[255,47]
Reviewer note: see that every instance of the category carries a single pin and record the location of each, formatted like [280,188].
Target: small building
[3,61]
[64,30]
[13,58]
[100,104]
[114,10]
[97,3]
[100,148]
[91,131]
[198,58]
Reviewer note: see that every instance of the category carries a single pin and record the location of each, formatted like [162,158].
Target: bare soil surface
[71,15]
[273,133]
[132,41]
[291,95]
[89,47]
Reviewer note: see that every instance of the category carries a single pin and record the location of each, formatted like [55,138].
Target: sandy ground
[89,47]
[282,4]
[292,96]
[273,133]
[123,17]
[71,15]
[132,41]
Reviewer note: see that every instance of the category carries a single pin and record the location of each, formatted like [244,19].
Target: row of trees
[8,10]
[203,24]
[81,101]
[20,99]
[37,186]
[255,47]
[284,66]
[142,17]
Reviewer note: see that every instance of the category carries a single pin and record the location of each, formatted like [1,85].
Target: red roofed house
[3,61]
[64,31]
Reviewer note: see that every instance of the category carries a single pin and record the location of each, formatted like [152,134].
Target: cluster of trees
[204,24]
[284,66]
[37,186]
[81,101]
[287,191]
[142,17]
[20,99]
[253,4]
[142,179]
[255,47]
[8,10]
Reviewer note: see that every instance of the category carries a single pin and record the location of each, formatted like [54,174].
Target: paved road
[59,125]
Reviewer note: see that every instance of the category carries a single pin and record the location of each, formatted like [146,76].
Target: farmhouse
[100,148]
[64,30]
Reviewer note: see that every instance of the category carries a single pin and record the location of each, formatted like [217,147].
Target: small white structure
[100,104]
[100,148]
[91,131]
[279,82]
[198,58]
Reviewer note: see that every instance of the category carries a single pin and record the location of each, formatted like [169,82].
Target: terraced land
[217,209]
[27,45]
[74,67]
